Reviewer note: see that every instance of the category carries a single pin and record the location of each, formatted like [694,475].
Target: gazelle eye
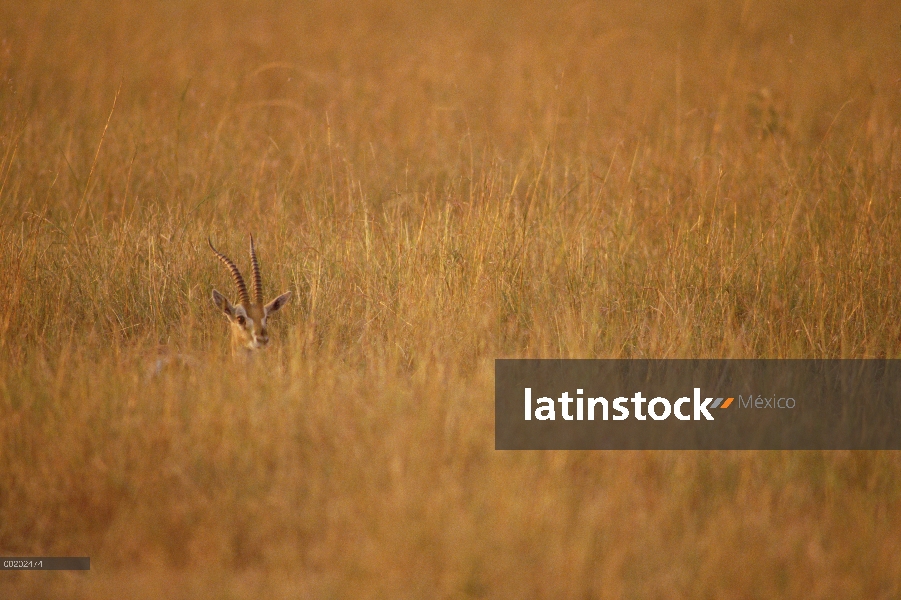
[241,320]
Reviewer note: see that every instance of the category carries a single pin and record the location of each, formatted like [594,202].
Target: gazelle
[248,319]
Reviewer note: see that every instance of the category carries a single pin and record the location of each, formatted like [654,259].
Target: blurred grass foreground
[440,186]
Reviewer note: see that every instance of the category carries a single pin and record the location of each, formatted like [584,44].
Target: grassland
[440,186]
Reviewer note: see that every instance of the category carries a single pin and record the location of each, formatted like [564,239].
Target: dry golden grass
[439,186]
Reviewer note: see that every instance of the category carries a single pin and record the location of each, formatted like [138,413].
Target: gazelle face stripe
[250,329]
[248,319]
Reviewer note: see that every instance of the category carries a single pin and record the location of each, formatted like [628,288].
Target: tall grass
[440,186]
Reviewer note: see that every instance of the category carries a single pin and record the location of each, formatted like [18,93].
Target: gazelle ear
[223,304]
[276,304]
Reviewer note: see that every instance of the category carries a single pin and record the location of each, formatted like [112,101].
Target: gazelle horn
[236,275]
[257,279]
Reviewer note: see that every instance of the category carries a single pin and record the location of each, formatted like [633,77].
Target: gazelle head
[248,319]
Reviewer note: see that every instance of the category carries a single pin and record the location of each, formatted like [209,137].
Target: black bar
[45,563]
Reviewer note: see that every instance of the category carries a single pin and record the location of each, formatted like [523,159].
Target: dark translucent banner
[698,404]
[45,563]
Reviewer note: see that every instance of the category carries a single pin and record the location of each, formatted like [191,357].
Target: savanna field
[439,186]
